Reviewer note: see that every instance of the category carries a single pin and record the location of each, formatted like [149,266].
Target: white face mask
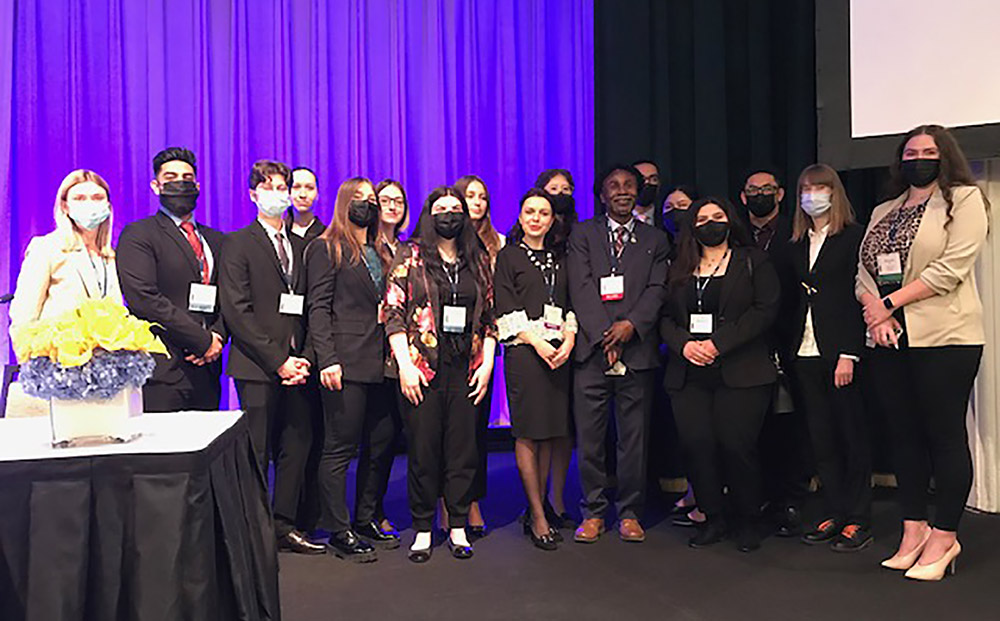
[816,203]
[272,203]
[88,214]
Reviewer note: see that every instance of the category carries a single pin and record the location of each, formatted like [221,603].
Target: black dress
[525,281]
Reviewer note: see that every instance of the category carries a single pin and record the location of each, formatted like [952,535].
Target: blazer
[250,287]
[54,280]
[838,321]
[343,308]
[644,264]
[943,256]
[315,229]
[156,267]
[748,305]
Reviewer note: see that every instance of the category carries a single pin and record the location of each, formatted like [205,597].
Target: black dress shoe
[853,538]
[475,532]
[376,536]
[297,543]
[556,535]
[749,539]
[709,533]
[347,545]
[461,552]
[824,532]
[789,522]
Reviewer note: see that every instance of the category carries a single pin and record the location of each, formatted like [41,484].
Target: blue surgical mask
[89,214]
[815,203]
[273,203]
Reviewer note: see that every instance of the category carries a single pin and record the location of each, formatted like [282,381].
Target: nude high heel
[903,562]
[936,570]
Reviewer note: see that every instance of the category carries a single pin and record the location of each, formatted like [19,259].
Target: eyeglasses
[385,201]
[753,190]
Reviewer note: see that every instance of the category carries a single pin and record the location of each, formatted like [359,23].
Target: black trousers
[281,430]
[442,454]
[483,411]
[310,500]
[632,396]
[357,415]
[838,431]
[784,453]
[199,391]
[924,392]
[719,430]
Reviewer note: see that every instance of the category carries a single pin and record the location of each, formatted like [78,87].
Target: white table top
[175,432]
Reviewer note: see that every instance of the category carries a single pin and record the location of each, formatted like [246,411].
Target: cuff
[511,324]
[851,357]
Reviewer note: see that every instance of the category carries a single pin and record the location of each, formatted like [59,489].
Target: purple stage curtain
[424,91]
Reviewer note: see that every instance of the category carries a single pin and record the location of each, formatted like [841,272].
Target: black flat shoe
[297,543]
[749,539]
[824,532]
[460,552]
[546,542]
[709,533]
[419,556]
[853,538]
[789,522]
[347,545]
[371,533]
[475,532]
[556,535]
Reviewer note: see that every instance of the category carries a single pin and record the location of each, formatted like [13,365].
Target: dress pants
[839,434]
[483,411]
[593,395]
[310,500]
[442,454]
[784,454]
[924,392]
[356,415]
[200,391]
[280,428]
[719,429]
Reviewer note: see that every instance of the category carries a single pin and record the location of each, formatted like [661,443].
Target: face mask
[362,213]
[449,225]
[920,173]
[89,214]
[273,203]
[674,219]
[816,204]
[761,205]
[562,204]
[179,197]
[648,194]
[711,233]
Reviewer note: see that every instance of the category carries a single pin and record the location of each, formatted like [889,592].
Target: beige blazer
[943,256]
[54,280]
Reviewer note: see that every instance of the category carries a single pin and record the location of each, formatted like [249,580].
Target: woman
[345,276]
[75,261]
[555,181]
[723,299]
[825,338]
[439,318]
[539,331]
[917,283]
[394,216]
[679,199]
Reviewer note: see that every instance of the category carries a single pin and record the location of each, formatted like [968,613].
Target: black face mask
[762,204]
[179,197]
[562,204]
[920,173]
[648,194]
[712,233]
[674,219]
[449,225]
[362,213]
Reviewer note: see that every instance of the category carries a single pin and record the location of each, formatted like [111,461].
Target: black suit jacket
[250,287]
[343,307]
[315,230]
[838,322]
[644,265]
[156,267]
[748,305]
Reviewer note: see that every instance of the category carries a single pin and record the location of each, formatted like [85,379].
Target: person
[477,197]
[648,200]
[824,342]
[73,263]
[345,276]
[440,322]
[168,269]
[261,291]
[675,206]
[394,214]
[556,181]
[784,438]
[723,298]
[617,274]
[301,217]
[538,329]
[916,281]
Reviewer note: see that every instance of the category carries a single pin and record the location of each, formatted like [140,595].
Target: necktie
[199,251]
[620,235]
[282,254]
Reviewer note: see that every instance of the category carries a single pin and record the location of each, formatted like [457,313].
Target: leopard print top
[894,233]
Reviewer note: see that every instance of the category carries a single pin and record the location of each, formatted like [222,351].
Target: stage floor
[659,579]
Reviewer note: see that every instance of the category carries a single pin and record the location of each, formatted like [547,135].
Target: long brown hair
[841,212]
[484,226]
[468,245]
[338,234]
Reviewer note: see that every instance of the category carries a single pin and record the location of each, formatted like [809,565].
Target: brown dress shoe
[589,531]
[630,530]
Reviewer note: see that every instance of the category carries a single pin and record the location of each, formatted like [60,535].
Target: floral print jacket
[411,306]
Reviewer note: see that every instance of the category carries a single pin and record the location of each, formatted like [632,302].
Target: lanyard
[452,281]
[102,282]
[548,270]
[699,287]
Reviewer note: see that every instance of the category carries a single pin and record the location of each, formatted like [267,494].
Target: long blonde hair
[67,229]
[841,212]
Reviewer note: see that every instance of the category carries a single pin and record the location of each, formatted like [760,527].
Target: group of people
[343,336]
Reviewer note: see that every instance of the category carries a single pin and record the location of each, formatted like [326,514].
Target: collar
[177,221]
[771,225]
[822,232]
[614,226]
[643,213]
[270,230]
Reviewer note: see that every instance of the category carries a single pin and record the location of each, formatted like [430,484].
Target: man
[302,219]
[783,439]
[647,203]
[168,270]
[261,285]
[617,279]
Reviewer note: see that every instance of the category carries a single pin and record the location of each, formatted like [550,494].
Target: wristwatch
[888,303]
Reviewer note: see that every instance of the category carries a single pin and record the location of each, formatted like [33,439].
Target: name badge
[552,315]
[453,319]
[890,268]
[612,288]
[201,298]
[291,304]
[701,323]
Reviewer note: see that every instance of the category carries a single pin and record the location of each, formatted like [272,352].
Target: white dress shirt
[209,257]
[272,234]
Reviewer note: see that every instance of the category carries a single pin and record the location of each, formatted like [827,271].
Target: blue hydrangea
[107,374]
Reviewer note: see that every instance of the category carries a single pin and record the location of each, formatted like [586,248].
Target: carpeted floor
[660,579]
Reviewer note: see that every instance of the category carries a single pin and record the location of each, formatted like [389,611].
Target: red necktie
[199,252]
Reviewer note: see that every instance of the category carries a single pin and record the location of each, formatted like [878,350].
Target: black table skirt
[139,537]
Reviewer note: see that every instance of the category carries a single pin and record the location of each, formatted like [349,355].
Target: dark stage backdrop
[421,91]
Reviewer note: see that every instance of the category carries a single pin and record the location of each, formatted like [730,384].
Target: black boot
[347,545]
